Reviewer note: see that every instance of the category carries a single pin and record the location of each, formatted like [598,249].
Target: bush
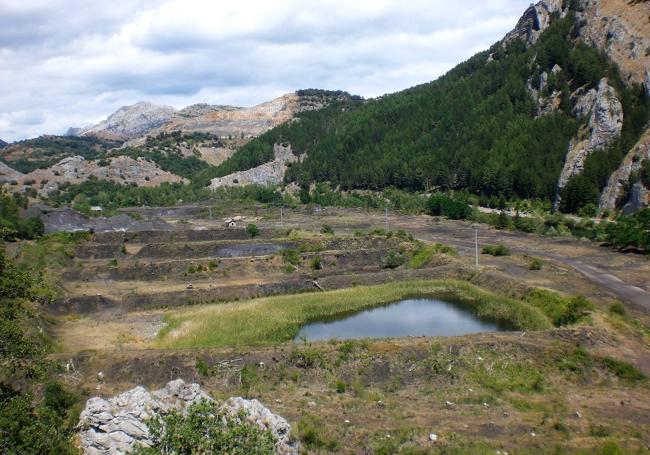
[316,263]
[623,370]
[496,250]
[327,229]
[560,310]
[340,387]
[617,308]
[442,205]
[311,431]
[253,230]
[290,256]
[393,260]
[535,264]
[206,429]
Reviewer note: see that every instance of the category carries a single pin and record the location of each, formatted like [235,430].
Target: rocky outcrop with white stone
[116,425]
[617,182]
[605,113]
[270,173]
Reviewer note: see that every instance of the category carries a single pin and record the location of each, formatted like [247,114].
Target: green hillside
[473,129]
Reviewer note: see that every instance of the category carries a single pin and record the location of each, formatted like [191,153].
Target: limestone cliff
[605,113]
[264,174]
[614,190]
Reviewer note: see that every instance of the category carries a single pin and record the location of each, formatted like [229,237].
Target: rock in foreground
[117,425]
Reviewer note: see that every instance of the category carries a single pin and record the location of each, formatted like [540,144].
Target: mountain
[3,144]
[548,112]
[130,121]
[142,119]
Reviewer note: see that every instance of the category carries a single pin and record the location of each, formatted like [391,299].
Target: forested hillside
[477,128]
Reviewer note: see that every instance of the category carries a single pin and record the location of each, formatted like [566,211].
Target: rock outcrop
[76,169]
[621,29]
[605,112]
[117,425]
[534,21]
[264,174]
[131,121]
[618,180]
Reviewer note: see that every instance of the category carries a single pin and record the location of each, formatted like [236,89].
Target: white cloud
[69,62]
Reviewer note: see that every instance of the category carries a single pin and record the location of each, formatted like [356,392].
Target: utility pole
[476,245]
[386,218]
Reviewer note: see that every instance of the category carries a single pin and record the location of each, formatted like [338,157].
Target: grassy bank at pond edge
[277,319]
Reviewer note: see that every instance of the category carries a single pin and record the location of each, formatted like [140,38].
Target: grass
[278,319]
[560,310]
[425,253]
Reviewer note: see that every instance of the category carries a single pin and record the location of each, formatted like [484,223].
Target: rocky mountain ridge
[3,144]
[133,123]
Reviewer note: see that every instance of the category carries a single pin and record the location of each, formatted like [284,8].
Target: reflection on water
[415,317]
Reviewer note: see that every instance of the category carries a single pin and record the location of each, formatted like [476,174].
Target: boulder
[116,425]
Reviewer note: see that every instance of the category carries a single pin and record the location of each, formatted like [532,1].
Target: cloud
[72,62]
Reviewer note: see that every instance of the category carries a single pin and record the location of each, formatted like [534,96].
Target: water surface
[422,316]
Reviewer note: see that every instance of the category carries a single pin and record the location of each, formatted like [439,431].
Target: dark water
[251,249]
[415,317]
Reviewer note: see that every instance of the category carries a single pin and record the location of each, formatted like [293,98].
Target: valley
[458,267]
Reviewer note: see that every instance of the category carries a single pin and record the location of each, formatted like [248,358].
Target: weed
[622,370]
[617,308]
[311,430]
[327,229]
[316,263]
[290,256]
[202,367]
[496,250]
[560,310]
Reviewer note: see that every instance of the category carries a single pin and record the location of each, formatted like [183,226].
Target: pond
[421,316]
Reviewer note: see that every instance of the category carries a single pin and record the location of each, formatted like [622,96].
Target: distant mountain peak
[132,121]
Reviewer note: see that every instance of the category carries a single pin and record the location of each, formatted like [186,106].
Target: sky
[70,63]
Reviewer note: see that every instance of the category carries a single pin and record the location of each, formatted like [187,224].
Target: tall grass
[278,319]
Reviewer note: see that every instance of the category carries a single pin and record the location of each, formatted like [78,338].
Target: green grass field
[278,319]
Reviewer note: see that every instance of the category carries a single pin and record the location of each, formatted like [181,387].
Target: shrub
[617,308]
[311,431]
[443,205]
[316,263]
[327,229]
[623,370]
[535,264]
[393,260]
[496,250]
[560,310]
[290,256]
[253,230]
[206,429]
[340,387]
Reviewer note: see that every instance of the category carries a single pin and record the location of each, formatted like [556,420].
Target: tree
[253,230]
